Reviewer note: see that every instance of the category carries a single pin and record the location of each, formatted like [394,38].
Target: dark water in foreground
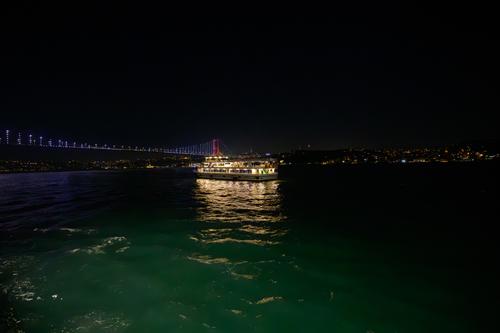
[356,249]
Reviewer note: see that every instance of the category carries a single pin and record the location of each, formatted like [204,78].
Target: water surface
[358,249]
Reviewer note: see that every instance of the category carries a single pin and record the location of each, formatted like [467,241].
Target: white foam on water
[95,321]
[269,299]
[236,312]
[105,245]
[208,260]
[243,276]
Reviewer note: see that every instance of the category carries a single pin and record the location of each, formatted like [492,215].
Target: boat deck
[237,176]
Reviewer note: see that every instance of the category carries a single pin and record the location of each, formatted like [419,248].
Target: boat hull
[237,176]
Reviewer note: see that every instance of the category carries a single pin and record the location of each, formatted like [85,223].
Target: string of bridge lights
[28,139]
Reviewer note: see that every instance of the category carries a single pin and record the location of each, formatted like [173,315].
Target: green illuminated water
[370,249]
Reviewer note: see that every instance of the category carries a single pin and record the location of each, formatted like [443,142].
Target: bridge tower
[216,147]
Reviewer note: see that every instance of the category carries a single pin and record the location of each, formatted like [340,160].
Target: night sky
[256,78]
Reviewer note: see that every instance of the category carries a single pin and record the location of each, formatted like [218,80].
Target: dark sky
[254,77]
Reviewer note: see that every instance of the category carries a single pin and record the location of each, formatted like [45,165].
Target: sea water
[323,249]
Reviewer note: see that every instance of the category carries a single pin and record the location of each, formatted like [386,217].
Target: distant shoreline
[89,170]
[284,166]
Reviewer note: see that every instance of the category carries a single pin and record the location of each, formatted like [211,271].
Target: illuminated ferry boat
[220,167]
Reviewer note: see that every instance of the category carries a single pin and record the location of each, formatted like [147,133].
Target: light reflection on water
[233,201]
[237,215]
[239,212]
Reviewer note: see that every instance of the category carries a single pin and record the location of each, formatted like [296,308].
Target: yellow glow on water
[232,201]
[245,210]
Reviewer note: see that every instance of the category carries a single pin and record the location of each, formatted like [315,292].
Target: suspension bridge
[209,148]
